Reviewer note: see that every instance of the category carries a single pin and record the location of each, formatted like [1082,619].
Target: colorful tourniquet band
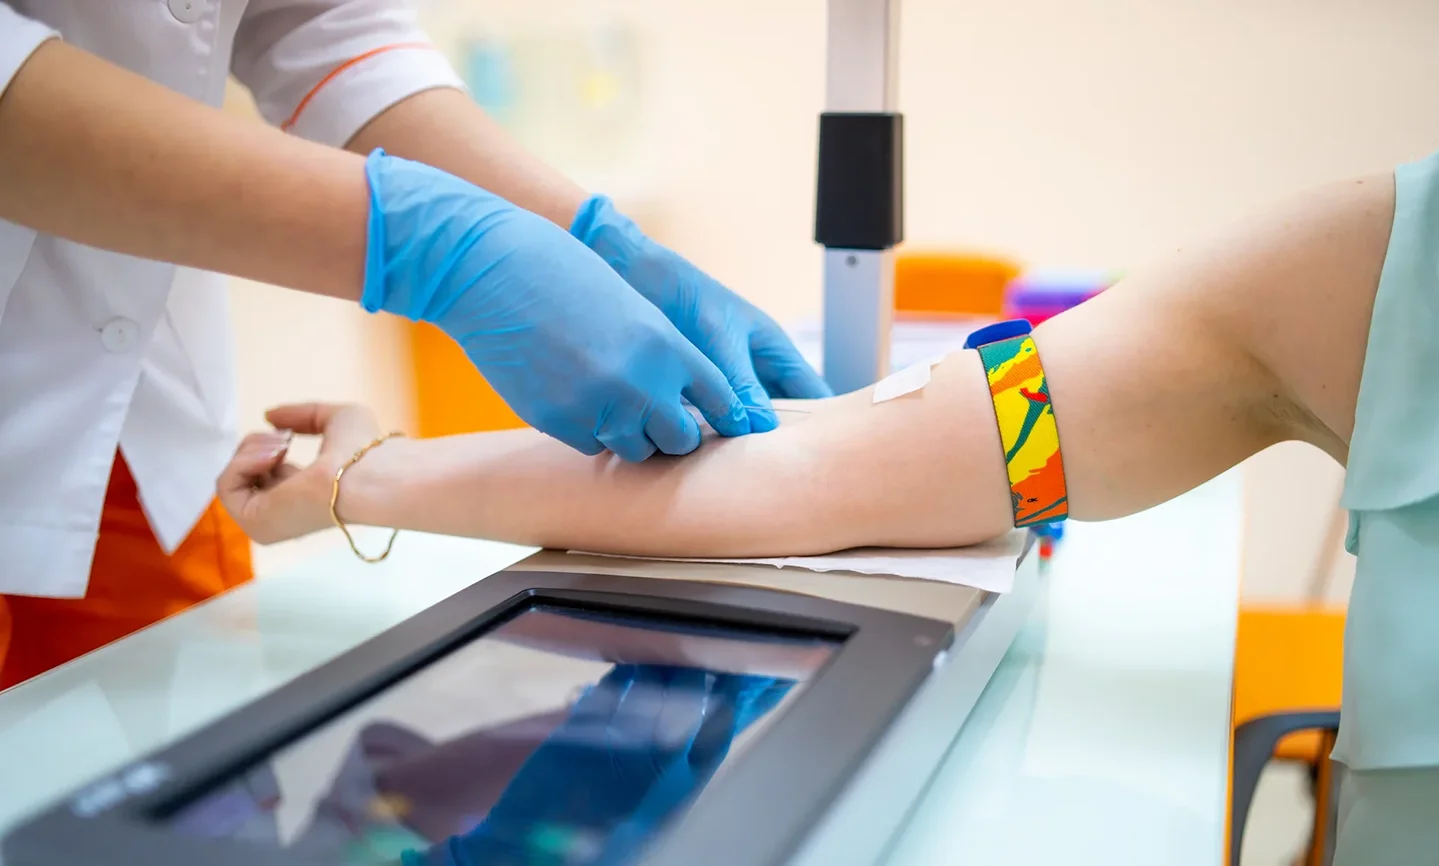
[1027,429]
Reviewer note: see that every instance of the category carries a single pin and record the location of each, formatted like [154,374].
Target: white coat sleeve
[322,69]
[19,37]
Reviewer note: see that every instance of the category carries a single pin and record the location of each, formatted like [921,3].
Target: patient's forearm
[854,474]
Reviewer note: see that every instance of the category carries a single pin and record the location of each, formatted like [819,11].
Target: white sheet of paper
[988,567]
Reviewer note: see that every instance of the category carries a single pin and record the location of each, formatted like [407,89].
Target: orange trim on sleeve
[335,73]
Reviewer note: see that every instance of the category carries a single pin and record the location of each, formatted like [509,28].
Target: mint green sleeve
[1390,713]
[1394,452]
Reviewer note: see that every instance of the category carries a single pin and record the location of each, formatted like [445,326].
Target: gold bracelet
[335,500]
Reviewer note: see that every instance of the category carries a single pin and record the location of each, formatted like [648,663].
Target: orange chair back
[1288,659]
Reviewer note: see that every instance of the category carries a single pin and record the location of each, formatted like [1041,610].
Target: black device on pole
[859,199]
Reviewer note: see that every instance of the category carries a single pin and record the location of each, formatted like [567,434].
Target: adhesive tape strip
[906,381]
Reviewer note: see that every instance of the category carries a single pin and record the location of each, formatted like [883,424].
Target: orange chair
[1287,683]
[450,395]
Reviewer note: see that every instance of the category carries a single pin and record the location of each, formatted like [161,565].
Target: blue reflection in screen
[560,738]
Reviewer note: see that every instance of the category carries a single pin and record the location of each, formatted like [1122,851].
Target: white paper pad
[988,567]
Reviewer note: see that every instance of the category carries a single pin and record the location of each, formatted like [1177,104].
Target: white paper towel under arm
[988,567]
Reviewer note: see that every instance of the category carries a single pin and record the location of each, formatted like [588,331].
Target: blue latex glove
[556,332]
[748,346]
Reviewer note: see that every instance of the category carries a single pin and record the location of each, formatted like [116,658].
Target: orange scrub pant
[133,583]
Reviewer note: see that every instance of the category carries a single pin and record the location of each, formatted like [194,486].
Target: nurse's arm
[96,154]
[447,129]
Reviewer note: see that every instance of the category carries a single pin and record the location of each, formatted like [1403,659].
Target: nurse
[123,190]
[1317,322]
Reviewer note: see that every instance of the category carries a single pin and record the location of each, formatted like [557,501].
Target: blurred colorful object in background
[489,72]
[1040,295]
[951,284]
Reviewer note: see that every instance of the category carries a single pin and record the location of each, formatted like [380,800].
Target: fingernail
[273,446]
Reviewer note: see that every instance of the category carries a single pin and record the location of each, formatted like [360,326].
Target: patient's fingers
[256,488]
[344,426]
[309,419]
[270,443]
[283,472]
[258,458]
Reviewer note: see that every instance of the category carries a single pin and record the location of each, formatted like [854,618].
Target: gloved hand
[748,346]
[558,334]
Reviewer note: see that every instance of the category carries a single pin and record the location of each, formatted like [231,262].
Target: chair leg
[1326,790]
[1254,744]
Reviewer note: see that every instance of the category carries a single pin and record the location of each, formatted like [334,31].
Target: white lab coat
[99,350]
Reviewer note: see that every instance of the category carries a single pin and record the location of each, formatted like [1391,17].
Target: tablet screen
[562,736]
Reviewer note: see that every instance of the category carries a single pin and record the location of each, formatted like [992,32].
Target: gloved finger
[568,434]
[586,445]
[733,359]
[673,430]
[782,369]
[711,393]
[625,438]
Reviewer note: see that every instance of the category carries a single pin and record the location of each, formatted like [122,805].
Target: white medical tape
[906,381]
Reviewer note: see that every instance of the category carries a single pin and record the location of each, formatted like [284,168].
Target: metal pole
[859,197]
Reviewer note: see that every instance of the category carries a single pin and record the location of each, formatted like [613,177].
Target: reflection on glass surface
[560,737]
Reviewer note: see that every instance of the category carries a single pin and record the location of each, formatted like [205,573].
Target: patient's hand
[274,500]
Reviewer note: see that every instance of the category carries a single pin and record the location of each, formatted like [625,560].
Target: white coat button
[187,11]
[119,335]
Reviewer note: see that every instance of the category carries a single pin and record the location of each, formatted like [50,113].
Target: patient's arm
[914,472]
[1162,382]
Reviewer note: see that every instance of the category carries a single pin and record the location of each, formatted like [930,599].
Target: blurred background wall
[1065,134]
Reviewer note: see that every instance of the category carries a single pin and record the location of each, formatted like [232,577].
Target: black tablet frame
[757,813]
